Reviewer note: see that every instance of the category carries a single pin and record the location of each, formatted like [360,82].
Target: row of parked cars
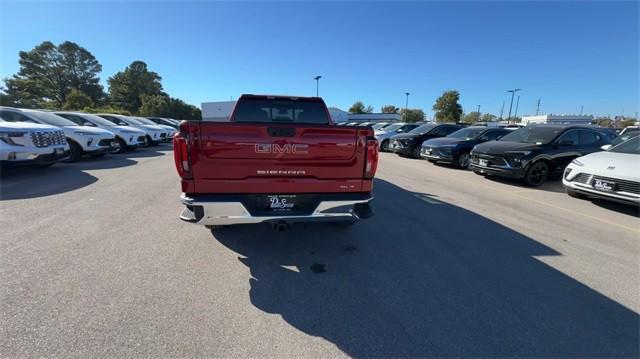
[41,138]
[592,161]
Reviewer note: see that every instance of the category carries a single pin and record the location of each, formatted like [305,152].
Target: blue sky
[571,54]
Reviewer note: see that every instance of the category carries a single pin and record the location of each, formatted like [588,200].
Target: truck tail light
[371,164]
[181,156]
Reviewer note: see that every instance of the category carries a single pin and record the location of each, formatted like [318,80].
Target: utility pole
[517,104]
[538,106]
[513,92]
[502,111]
[317,78]
[478,113]
[406,106]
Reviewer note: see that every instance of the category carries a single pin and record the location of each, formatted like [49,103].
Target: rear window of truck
[280,111]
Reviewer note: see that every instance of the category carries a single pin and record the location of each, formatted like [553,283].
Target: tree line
[447,108]
[67,77]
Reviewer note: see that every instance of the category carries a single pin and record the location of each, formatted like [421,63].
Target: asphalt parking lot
[95,262]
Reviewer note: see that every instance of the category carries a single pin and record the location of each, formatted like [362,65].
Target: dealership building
[557,119]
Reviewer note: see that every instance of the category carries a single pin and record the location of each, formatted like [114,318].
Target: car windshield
[145,121]
[620,139]
[97,120]
[133,121]
[377,126]
[423,128]
[538,135]
[392,128]
[631,146]
[468,133]
[50,118]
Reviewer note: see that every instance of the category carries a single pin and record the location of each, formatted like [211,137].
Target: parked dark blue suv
[456,147]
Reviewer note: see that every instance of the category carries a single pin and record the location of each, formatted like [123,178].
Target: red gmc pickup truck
[279,160]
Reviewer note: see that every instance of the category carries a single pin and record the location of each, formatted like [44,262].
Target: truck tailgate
[276,158]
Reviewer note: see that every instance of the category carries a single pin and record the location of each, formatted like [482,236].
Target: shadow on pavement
[553,184]
[30,182]
[424,278]
[628,209]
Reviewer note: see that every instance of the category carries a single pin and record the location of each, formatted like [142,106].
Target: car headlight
[8,136]
[521,153]
[82,133]
[577,162]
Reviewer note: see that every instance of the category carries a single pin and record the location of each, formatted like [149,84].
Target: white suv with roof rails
[127,138]
[154,133]
[24,143]
[170,131]
[82,139]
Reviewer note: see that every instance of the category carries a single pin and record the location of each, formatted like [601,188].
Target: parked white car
[127,137]
[612,174]
[165,121]
[386,133]
[154,133]
[82,140]
[170,131]
[24,143]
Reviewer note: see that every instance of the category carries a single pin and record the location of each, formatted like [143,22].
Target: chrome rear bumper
[211,210]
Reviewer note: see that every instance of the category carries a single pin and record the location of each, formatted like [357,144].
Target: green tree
[154,105]
[127,87]
[471,117]
[447,107]
[487,117]
[358,107]
[77,100]
[48,73]
[627,122]
[389,109]
[165,106]
[412,115]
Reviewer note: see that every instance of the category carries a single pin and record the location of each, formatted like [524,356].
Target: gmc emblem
[288,148]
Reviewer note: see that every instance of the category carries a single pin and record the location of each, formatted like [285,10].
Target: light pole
[513,92]
[517,104]
[406,105]
[317,78]
[478,114]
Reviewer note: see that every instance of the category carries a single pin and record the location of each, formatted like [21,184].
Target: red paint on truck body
[272,157]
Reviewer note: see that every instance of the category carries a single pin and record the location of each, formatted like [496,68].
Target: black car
[456,147]
[409,143]
[533,153]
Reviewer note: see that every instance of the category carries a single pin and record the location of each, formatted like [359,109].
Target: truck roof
[280,97]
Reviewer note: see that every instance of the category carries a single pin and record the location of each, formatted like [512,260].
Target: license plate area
[281,204]
[483,162]
[603,185]
[58,151]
